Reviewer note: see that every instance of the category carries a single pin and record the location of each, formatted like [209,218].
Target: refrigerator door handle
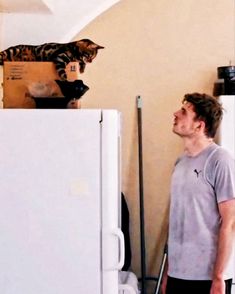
[117,232]
[108,263]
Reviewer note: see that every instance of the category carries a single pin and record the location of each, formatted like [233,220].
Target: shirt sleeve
[224,175]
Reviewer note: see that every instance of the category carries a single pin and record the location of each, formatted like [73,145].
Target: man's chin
[175,131]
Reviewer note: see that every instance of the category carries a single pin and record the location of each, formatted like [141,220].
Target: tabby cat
[82,51]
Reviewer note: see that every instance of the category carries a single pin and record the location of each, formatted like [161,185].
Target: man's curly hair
[207,109]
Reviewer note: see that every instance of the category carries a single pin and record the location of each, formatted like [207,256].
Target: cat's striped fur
[82,51]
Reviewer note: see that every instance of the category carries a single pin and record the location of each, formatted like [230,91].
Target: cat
[82,51]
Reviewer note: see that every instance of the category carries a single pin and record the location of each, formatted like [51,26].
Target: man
[202,211]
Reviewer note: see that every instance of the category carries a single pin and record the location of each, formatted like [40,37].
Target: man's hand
[218,286]
[163,285]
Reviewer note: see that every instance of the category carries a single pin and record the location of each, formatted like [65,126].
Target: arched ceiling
[49,20]
[22,6]
[48,6]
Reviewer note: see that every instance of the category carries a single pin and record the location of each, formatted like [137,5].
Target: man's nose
[175,113]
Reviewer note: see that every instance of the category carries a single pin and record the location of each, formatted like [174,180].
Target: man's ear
[201,125]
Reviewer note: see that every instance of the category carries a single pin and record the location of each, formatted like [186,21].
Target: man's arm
[225,245]
[164,279]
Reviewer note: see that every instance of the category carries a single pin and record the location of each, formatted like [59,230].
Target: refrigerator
[227,133]
[60,201]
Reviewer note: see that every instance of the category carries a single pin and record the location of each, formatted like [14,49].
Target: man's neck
[193,147]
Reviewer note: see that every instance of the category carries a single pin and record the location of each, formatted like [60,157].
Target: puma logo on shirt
[197,172]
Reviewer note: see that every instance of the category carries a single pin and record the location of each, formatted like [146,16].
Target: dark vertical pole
[141,197]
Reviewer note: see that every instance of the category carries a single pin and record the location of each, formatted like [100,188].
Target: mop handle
[141,197]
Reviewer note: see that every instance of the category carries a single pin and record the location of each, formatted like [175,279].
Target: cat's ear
[86,43]
[81,45]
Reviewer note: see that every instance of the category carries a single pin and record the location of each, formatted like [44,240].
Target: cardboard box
[23,80]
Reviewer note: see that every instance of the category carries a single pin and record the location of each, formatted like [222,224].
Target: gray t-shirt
[198,184]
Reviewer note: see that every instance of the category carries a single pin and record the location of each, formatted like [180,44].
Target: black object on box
[227,86]
[226,72]
[74,89]
[70,90]
[51,102]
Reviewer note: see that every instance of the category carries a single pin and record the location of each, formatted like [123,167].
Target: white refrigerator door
[113,239]
[50,202]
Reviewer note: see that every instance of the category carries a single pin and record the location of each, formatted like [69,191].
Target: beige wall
[159,50]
